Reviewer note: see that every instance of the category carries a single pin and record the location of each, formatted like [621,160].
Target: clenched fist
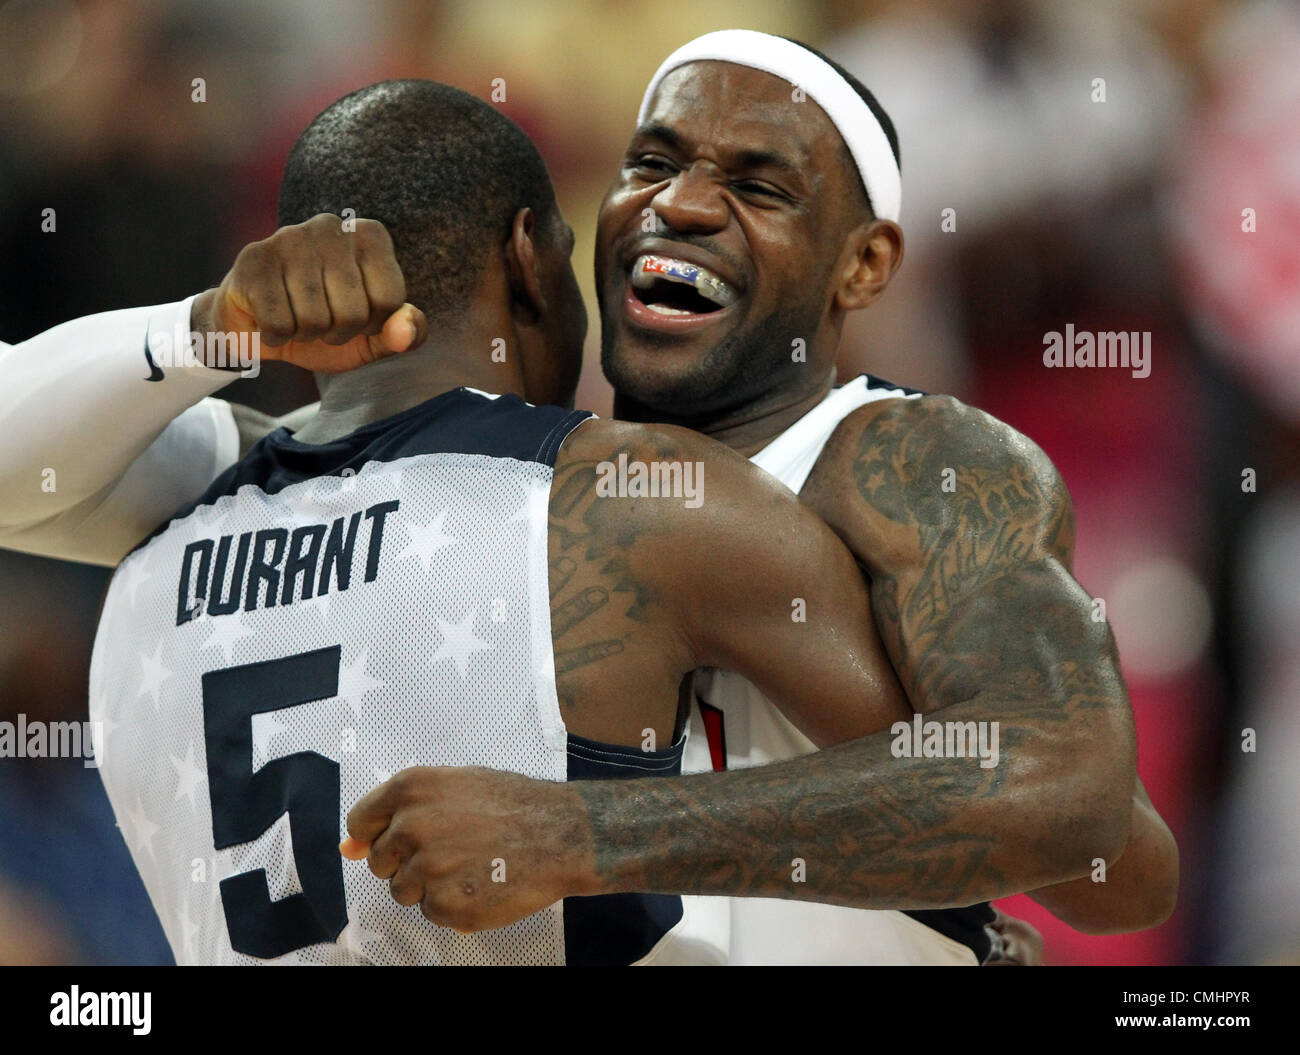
[475,848]
[322,297]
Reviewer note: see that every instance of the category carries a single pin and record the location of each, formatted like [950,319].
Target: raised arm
[103,440]
[93,458]
[991,517]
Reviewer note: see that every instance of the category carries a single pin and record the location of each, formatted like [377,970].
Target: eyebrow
[743,159]
[659,131]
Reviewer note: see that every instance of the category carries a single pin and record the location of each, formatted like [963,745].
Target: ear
[527,301]
[873,253]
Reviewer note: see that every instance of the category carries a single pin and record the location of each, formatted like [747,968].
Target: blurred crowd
[1115,165]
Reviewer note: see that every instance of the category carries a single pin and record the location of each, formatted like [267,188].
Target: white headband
[850,114]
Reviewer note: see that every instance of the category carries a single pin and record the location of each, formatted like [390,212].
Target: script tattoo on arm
[966,531]
[591,585]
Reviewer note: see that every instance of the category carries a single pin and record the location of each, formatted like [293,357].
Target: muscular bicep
[773,594]
[967,530]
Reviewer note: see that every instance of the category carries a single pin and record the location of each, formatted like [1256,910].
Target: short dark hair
[873,104]
[444,171]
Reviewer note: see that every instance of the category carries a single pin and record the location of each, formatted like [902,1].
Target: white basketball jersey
[321,618]
[734,726]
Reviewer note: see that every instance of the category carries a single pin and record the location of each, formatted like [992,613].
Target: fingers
[354,849]
[405,329]
[388,852]
[324,281]
[372,813]
[345,293]
[384,284]
[311,310]
[255,295]
[407,883]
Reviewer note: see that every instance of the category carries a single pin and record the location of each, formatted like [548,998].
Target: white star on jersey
[459,643]
[189,776]
[546,669]
[226,630]
[189,931]
[426,540]
[354,682]
[535,493]
[320,603]
[355,937]
[142,828]
[136,576]
[154,674]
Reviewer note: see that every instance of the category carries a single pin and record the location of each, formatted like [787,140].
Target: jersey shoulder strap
[460,421]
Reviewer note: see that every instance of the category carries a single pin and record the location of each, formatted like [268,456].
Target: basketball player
[428,572]
[726,319]
[977,836]
[972,588]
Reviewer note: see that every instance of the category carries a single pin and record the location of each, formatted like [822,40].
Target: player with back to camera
[427,572]
[927,832]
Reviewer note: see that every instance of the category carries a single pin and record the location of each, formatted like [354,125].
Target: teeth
[664,309]
[648,268]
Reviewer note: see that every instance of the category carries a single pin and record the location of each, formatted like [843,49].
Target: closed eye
[651,165]
[754,188]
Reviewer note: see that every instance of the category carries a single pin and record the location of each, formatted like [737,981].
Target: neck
[746,429]
[389,386]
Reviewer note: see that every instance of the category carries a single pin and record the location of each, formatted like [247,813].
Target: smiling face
[753,242]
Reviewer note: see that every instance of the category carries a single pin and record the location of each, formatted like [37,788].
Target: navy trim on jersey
[609,930]
[461,421]
[964,925]
[880,382]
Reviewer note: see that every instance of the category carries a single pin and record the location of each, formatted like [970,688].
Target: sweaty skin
[643,590]
[971,589]
[877,831]
[640,597]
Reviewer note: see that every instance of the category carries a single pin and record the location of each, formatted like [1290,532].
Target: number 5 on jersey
[245,803]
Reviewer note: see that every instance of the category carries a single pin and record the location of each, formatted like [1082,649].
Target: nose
[692,201]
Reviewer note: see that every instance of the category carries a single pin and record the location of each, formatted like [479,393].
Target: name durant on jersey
[285,574]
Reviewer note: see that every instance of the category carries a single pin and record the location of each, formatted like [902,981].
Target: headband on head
[848,111]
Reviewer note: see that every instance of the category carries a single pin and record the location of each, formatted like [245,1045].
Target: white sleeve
[94,455]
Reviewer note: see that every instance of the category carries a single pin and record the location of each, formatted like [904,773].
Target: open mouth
[670,287]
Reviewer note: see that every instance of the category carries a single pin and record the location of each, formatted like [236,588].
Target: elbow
[1161,888]
[1140,911]
[1096,793]
[1148,903]
[1108,834]
[1096,822]
[1142,895]
[1152,910]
